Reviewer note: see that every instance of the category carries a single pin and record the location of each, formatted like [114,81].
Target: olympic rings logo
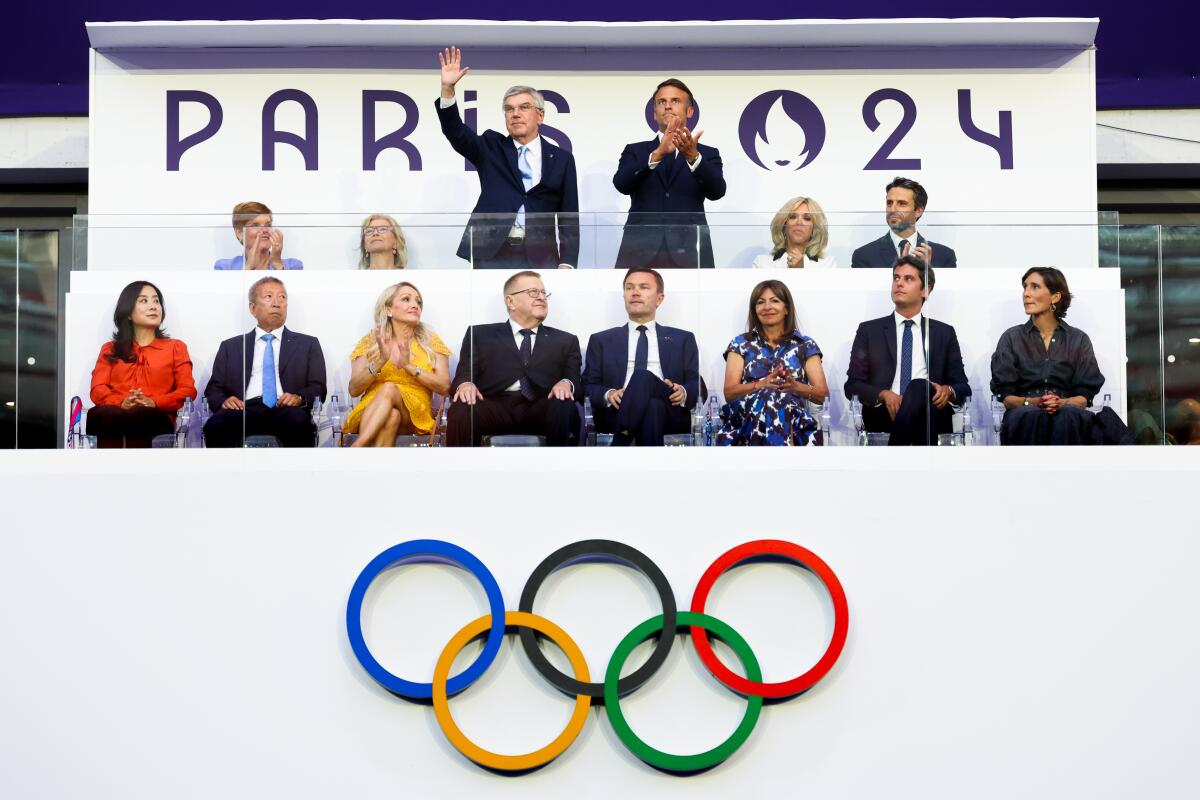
[608,693]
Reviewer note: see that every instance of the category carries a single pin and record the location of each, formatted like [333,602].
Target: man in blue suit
[526,184]
[906,201]
[643,378]
[263,382]
[905,368]
[668,179]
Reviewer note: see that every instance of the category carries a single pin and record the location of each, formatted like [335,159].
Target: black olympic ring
[608,551]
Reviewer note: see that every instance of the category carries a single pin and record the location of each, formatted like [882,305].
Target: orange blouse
[161,369]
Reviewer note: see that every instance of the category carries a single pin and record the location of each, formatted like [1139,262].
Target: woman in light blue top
[262,244]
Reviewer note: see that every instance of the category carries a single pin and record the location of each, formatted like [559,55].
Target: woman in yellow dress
[396,368]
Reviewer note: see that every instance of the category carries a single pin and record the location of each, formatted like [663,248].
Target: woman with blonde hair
[396,368]
[381,244]
[798,237]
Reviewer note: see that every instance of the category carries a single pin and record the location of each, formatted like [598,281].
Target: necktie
[641,356]
[526,179]
[526,354]
[906,356]
[270,393]
[902,247]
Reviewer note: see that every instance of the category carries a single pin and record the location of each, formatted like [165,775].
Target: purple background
[1148,53]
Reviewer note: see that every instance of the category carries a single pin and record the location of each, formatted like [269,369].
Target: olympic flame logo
[608,693]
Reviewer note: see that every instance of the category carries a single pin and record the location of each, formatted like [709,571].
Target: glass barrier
[1132,290]
[8,339]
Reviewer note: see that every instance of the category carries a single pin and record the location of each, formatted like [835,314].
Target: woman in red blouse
[142,376]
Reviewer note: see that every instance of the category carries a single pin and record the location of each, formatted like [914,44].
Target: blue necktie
[526,178]
[270,393]
[641,356]
[526,354]
[906,356]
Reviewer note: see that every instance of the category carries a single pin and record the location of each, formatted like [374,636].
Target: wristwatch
[1026,401]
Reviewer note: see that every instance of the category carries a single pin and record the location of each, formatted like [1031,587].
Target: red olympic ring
[798,555]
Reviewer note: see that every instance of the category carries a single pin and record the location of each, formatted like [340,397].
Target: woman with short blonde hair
[798,237]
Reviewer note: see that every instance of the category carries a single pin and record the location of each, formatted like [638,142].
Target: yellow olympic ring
[485,758]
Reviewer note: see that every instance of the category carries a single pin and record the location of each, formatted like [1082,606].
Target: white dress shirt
[691,164]
[912,240]
[653,364]
[919,367]
[517,338]
[254,383]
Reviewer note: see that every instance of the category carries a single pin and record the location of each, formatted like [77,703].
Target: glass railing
[1135,289]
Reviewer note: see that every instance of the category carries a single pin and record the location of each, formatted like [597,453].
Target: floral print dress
[768,416]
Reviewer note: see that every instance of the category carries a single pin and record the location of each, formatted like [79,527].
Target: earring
[395,251]
[1053,308]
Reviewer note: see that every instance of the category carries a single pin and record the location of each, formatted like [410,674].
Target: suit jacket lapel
[287,342]
[247,359]
[549,162]
[889,338]
[510,157]
[666,355]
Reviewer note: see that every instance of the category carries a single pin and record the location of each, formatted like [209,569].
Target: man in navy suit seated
[526,184]
[643,378]
[517,376]
[906,201]
[263,382]
[905,368]
[668,179]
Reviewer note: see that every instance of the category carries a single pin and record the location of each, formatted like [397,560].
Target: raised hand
[667,145]
[452,70]
[686,142]
[276,237]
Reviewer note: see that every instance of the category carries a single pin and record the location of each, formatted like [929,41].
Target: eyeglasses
[260,225]
[534,293]
[524,108]
[378,229]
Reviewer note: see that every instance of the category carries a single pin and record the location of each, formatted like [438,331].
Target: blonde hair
[420,333]
[815,249]
[399,254]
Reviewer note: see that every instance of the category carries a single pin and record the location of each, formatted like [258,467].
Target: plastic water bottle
[316,412]
[826,423]
[336,415]
[965,427]
[856,416]
[589,423]
[698,425]
[183,422]
[708,423]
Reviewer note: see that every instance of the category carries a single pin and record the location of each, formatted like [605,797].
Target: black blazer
[873,359]
[882,253]
[490,359]
[501,193]
[301,368]
[608,359]
[666,203]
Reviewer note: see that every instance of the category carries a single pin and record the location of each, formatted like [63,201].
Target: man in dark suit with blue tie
[517,376]
[905,368]
[528,209]
[263,382]
[906,201]
[668,179]
[642,378]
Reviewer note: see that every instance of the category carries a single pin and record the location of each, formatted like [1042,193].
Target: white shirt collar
[516,329]
[649,326]
[259,332]
[899,319]
[913,240]
[535,146]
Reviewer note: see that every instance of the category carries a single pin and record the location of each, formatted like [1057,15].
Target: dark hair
[252,295]
[1056,282]
[658,278]
[920,266]
[780,289]
[678,84]
[122,338]
[920,196]
[528,273]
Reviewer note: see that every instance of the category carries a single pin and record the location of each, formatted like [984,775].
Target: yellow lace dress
[417,399]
